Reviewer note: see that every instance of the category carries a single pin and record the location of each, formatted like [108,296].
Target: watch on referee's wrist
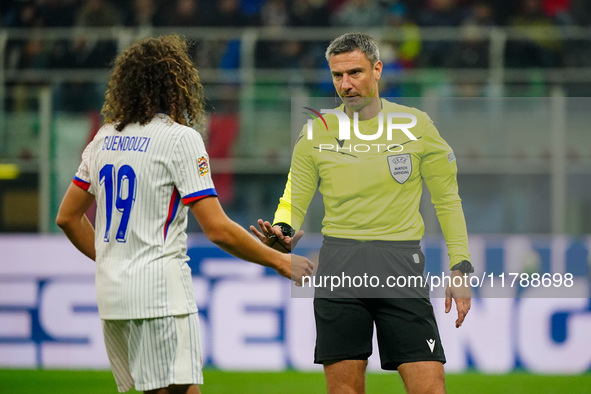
[285,229]
[465,267]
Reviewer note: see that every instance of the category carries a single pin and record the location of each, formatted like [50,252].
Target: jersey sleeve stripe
[80,183]
[172,209]
[199,195]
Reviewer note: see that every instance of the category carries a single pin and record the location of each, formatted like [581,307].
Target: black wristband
[285,229]
[465,267]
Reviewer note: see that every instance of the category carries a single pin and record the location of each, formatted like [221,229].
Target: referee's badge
[400,167]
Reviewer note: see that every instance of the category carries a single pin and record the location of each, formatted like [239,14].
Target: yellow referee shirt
[372,188]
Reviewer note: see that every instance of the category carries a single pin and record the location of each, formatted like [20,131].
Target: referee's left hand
[462,295]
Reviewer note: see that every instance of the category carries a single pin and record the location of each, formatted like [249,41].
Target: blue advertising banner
[250,319]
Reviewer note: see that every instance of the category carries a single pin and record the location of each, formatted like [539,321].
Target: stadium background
[507,83]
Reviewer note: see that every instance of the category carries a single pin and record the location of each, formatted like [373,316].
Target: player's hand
[298,268]
[462,295]
[274,238]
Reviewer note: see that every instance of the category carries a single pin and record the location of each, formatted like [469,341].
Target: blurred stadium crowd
[409,15]
[100,13]
[538,53]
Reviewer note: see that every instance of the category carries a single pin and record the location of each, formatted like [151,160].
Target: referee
[372,225]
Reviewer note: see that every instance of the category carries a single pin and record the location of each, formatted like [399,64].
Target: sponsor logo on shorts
[431,343]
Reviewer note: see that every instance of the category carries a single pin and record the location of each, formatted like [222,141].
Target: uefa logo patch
[203,166]
[400,167]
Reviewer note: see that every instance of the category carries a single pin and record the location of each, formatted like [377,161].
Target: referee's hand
[274,238]
[462,295]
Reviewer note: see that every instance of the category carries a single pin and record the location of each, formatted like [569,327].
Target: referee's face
[354,77]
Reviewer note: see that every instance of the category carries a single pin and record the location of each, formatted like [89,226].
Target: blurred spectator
[277,54]
[85,51]
[407,35]
[275,13]
[98,13]
[581,12]
[542,45]
[58,13]
[22,53]
[5,8]
[82,52]
[399,50]
[559,10]
[335,5]
[250,11]
[503,10]
[34,55]
[229,14]
[143,13]
[24,14]
[187,13]
[390,57]
[359,13]
[577,52]
[473,48]
[440,13]
[480,14]
[310,13]
[280,54]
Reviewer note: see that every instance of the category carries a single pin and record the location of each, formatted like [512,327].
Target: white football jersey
[142,177]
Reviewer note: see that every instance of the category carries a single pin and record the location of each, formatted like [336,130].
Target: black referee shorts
[405,322]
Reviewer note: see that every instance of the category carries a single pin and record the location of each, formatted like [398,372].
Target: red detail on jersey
[81,184]
[199,195]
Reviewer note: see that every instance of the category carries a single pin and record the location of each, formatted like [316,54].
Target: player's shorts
[154,353]
[406,327]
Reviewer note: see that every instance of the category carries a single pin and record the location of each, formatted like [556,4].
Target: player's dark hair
[351,41]
[154,75]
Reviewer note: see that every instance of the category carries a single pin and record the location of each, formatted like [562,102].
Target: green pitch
[218,382]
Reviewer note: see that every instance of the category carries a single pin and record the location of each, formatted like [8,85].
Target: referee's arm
[439,170]
[300,187]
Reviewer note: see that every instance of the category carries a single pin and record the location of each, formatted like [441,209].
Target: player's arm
[232,238]
[71,218]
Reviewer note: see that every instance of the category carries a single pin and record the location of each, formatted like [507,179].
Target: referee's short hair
[351,41]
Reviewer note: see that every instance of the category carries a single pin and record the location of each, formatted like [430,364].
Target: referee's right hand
[273,237]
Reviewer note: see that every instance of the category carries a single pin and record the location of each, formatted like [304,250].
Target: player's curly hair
[154,75]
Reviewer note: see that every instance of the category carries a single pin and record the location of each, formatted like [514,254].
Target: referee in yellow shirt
[372,226]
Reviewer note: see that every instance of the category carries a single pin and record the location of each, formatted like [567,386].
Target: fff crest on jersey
[400,167]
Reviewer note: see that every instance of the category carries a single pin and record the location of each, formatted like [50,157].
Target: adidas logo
[431,343]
